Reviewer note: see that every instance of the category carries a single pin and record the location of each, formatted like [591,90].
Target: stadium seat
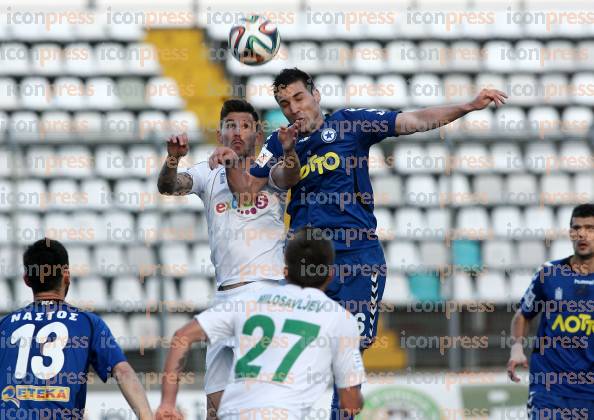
[110,59]
[490,81]
[6,299]
[36,93]
[561,57]
[556,189]
[527,56]
[307,54]
[434,254]
[148,227]
[439,220]
[560,248]
[14,59]
[575,156]
[6,230]
[64,195]
[333,91]
[466,254]
[109,162]
[403,257]
[544,121]
[523,90]
[409,222]
[368,58]
[521,189]
[131,91]
[85,221]
[499,57]
[530,253]
[426,90]
[120,127]
[6,191]
[519,283]
[491,287]
[361,92]
[88,125]
[145,330]
[424,286]
[46,59]
[175,259]
[335,57]
[554,89]
[108,260]
[77,162]
[142,59]
[35,192]
[201,263]
[121,332]
[421,190]
[578,96]
[127,293]
[259,89]
[498,254]
[79,60]
[397,291]
[79,258]
[92,292]
[539,222]
[98,193]
[56,126]
[472,158]
[409,158]
[198,291]
[102,94]
[577,120]
[433,56]
[120,226]
[22,293]
[473,220]
[9,94]
[456,191]
[385,224]
[141,259]
[153,125]
[507,222]
[152,290]
[478,123]
[163,93]
[393,92]
[174,322]
[463,290]
[402,57]
[584,186]
[586,48]
[488,189]
[69,94]
[459,88]
[540,157]
[387,191]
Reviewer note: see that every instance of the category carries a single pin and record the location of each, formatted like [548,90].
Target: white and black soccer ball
[254,40]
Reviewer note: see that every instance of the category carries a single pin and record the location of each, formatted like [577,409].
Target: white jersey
[290,343]
[246,243]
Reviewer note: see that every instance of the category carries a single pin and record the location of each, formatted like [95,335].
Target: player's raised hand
[517,358]
[166,412]
[288,135]
[486,96]
[223,156]
[177,145]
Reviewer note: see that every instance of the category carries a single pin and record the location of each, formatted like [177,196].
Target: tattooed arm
[174,366]
[170,182]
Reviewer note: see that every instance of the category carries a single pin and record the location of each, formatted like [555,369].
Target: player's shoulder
[201,166]
[552,268]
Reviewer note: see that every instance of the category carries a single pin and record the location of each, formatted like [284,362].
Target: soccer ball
[254,40]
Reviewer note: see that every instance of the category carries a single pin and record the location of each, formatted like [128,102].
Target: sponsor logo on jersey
[574,323]
[320,164]
[35,393]
[260,203]
[304,139]
[328,135]
[263,157]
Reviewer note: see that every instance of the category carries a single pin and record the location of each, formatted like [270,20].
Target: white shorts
[220,356]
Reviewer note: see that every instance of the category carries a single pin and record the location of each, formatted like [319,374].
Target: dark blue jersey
[563,358]
[334,192]
[46,349]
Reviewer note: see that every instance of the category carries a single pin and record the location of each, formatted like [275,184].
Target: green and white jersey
[291,343]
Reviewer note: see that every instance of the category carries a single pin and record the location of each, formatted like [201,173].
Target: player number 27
[307,331]
[52,349]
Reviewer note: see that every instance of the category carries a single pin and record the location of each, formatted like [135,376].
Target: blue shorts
[358,285]
[549,406]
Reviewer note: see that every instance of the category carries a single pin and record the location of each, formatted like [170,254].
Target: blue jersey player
[562,361]
[324,160]
[47,348]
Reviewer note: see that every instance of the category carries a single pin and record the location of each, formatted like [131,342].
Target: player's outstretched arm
[174,366]
[170,182]
[132,390]
[435,117]
[287,172]
[519,330]
[351,401]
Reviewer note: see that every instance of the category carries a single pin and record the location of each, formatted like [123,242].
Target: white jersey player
[291,340]
[246,234]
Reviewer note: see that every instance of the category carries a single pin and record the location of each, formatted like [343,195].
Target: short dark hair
[238,105]
[309,257]
[45,262]
[288,76]
[583,210]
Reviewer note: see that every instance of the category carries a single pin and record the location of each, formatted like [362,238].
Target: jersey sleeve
[105,352]
[372,125]
[269,156]
[533,300]
[347,364]
[217,322]
[199,174]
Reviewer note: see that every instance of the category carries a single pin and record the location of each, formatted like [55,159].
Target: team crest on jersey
[223,178]
[9,394]
[328,135]
[558,293]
